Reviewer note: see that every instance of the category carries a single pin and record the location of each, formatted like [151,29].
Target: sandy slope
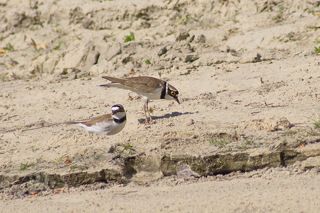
[248,75]
[276,191]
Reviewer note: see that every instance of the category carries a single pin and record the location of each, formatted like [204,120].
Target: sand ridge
[247,71]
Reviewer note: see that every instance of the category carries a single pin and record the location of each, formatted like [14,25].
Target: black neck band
[119,121]
[163,91]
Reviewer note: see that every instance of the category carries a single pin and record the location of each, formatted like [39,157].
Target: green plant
[127,146]
[185,19]
[25,166]
[219,142]
[316,124]
[280,15]
[129,37]
[128,149]
[58,46]
[317,50]
[9,47]
[147,61]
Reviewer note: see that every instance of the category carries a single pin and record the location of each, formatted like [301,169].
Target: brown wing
[141,83]
[144,83]
[94,120]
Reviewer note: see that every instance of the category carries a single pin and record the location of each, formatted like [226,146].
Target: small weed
[4,77]
[246,143]
[129,37]
[58,46]
[151,110]
[9,47]
[280,15]
[34,148]
[147,61]
[77,167]
[278,18]
[316,124]
[290,132]
[186,19]
[317,50]
[25,166]
[219,142]
[128,148]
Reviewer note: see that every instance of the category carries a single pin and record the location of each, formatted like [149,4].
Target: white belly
[110,128]
[155,95]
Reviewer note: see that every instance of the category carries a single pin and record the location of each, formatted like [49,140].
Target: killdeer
[148,87]
[108,123]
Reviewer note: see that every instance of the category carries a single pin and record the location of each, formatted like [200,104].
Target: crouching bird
[110,124]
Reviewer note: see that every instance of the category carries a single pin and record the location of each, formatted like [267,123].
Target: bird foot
[149,121]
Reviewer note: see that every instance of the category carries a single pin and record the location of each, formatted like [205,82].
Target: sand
[276,192]
[248,77]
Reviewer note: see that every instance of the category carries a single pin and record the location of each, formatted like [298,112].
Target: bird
[110,124]
[149,88]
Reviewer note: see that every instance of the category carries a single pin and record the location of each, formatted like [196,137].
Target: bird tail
[72,122]
[115,82]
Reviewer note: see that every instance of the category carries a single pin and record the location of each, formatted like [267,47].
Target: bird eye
[173,93]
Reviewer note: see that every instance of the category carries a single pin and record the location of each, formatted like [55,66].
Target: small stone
[112,149]
[145,24]
[76,15]
[191,58]
[191,38]
[126,59]
[201,39]
[257,58]
[3,3]
[182,36]
[170,124]
[190,122]
[112,51]
[162,51]
[282,124]
[184,171]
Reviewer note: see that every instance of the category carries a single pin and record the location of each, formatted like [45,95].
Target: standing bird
[148,87]
[108,123]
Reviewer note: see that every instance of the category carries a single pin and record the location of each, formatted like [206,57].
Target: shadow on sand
[168,115]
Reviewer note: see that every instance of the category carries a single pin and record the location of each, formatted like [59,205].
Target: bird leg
[147,112]
[145,109]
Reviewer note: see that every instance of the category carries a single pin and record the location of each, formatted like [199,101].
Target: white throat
[119,115]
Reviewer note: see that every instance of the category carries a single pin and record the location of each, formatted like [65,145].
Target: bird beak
[176,98]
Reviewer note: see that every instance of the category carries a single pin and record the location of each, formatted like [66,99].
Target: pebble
[190,122]
[182,36]
[162,51]
[201,39]
[191,58]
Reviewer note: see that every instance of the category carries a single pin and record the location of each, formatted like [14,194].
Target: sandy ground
[273,191]
[247,71]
